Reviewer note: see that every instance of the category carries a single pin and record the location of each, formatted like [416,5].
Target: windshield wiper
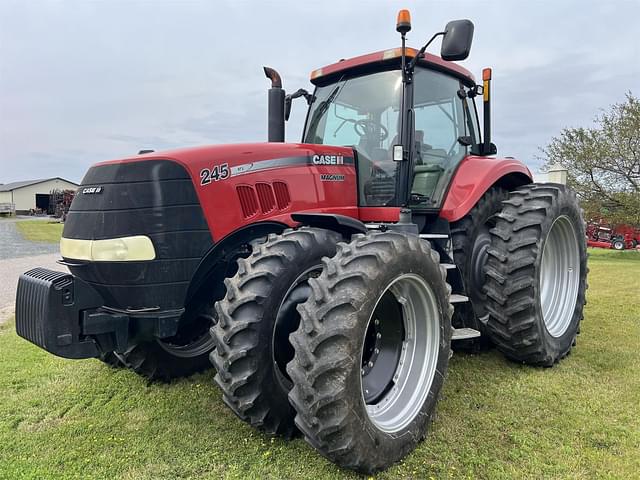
[323,107]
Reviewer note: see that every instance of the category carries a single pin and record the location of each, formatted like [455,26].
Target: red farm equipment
[618,237]
[324,280]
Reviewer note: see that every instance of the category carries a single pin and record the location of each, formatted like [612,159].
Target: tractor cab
[362,109]
[409,116]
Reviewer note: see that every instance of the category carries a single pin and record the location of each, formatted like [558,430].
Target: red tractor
[618,237]
[325,280]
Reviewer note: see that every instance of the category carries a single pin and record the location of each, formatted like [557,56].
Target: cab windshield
[362,113]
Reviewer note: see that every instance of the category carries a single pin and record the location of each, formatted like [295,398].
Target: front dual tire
[316,335]
[372,350]
[255,319]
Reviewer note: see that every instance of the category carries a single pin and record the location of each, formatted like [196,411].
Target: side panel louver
[263,197]
[248,200]
[283,199]
[266,197]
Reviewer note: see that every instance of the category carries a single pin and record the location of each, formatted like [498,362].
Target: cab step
[433,236]
[464,333]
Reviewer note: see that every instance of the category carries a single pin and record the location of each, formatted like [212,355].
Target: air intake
[248,200]
[283,199]
[266,197]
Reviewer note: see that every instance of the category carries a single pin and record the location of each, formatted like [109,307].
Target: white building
[32,194]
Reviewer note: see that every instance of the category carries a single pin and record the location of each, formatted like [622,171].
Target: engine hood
[196,159]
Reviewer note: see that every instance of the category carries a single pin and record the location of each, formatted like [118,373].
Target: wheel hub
[396,380]
[382,348]
[479,259]
[559,276]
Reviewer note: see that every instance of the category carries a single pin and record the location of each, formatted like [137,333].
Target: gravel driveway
[18,255]
[12,245]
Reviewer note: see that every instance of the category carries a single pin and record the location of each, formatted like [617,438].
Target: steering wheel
[367,128]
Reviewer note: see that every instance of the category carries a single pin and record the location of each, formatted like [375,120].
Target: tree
[603,162]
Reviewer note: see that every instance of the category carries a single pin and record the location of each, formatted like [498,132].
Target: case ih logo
[90,190]
[328,159]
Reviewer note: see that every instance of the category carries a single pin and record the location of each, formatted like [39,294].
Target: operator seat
[428,167]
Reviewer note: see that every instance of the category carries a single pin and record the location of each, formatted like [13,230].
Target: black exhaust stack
[276,106]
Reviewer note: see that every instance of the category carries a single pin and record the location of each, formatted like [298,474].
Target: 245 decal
[219,172]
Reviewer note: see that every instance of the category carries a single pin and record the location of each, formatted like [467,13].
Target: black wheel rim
[193,338]
[479,260]
[287,321]
[382,348]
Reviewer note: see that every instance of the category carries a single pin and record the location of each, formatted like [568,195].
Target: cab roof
[384,58]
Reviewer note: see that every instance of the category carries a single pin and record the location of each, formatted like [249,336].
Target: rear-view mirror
[456,43]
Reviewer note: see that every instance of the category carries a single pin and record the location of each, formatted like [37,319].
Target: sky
[86,81]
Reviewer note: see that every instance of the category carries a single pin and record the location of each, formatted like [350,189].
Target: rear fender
[475,176]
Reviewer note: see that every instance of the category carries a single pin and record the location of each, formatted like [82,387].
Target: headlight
[124,249]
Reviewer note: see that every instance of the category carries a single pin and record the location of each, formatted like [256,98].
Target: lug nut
[378,335]
[377,351]
[370,364]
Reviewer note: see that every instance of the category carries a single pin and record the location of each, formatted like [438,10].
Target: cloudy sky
[92,80]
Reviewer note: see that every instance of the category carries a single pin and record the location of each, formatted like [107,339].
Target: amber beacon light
[403,25]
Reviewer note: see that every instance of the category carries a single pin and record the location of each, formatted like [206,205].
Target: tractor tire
[256,317]
[470,239]
[536,274]
[372,350]
[618,244]
[183,355]
[111,359]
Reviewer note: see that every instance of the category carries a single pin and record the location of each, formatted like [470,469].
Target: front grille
[151,197]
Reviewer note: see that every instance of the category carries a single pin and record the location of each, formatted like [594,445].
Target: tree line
[603,162]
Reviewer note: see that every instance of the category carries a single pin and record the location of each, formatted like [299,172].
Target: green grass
[40,230]
[581,419]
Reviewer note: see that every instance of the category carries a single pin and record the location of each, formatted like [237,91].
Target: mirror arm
[420,53]
[302,93]
[289,99]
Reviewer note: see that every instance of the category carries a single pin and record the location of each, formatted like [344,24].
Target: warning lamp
[486,74]
[403,25]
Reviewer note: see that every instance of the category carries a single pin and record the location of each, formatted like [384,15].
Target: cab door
[440,135]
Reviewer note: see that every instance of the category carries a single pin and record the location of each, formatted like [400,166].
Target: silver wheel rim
[416,367]
[559,276]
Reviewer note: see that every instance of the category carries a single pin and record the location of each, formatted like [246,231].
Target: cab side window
[439,123]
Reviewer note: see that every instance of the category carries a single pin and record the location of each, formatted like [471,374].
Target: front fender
[474,176]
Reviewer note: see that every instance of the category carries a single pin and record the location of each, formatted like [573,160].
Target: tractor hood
[243,158]
[150,219]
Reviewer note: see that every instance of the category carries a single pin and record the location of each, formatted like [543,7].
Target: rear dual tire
[471,239]
[536,274]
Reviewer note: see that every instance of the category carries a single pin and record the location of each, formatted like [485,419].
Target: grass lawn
[581,419]
[40,230]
